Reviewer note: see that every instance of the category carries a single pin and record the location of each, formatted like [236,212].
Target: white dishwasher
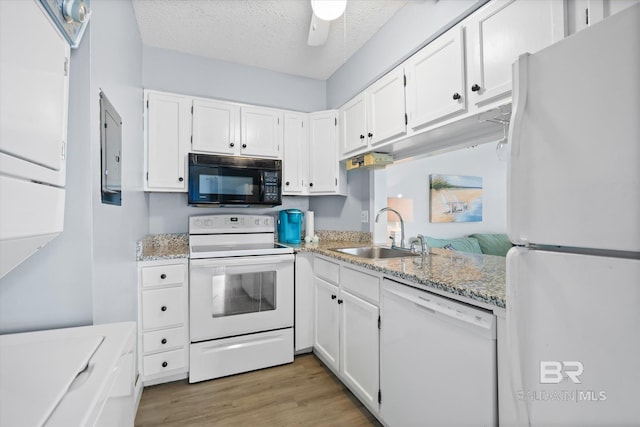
[437,360]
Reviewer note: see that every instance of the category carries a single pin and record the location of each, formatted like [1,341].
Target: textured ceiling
[269,34]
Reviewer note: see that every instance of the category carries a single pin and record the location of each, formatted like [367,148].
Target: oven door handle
[242,261]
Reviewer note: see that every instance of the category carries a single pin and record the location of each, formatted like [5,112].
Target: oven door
[240,295]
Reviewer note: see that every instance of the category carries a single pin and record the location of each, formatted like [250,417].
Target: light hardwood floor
[303,393]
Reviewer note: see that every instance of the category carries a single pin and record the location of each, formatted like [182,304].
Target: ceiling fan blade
[318,31]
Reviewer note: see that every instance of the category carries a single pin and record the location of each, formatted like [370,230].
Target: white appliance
[240,296]
[68,377]
[437,360]
[573,287]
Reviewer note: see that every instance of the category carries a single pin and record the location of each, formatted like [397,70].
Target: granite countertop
[155,247]
[475,276]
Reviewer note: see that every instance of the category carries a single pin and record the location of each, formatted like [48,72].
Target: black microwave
[233,181]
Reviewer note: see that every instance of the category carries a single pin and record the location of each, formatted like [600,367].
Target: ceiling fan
[324,11]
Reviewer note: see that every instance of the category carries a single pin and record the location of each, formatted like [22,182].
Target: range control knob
[257,221]
[208,223]
[197,223]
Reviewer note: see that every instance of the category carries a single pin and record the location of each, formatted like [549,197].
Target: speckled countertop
[475,276]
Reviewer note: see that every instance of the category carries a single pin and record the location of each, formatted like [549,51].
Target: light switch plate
[364,217]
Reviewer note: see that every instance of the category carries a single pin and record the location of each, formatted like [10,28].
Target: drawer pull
[163,308]
[163,276]
[164,341]
[164,364]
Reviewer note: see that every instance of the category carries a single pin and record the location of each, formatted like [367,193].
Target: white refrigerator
[573,281]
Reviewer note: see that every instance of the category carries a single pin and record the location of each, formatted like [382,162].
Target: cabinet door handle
[163,276]
[333,297]
[231,144]
[456,96]
[311,184]
[340,301]
[163,308]
[475,88]
[181,179]
[370,135]
[361,136]
[165,364]
[164,341]
[244,145]
[286,183]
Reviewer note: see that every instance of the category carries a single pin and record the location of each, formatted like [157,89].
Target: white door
[573,323]
[575,156]
[501,31]
[261,132]
[435,80]
[359,347]
[214,127]
[295,159]
[168,137]
[326,338]
[323,159]
[353,117]
[240,295]
[386,108]
[34,76]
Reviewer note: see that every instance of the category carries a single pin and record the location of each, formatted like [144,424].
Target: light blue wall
[182,73]
[88,273]
[116,68]
[52,289]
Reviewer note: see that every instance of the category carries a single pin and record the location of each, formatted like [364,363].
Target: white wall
[116,68]
[52,289]
[169,213]
[411,179]
[182,73]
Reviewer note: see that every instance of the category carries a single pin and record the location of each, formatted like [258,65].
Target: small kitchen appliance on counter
[290,226]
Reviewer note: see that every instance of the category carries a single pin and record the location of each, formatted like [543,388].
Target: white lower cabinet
[346,335]
[304,309]
[163,330]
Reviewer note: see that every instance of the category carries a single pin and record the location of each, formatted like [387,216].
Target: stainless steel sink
[376,252]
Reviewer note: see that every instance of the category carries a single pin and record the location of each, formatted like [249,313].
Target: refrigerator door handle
[520,93]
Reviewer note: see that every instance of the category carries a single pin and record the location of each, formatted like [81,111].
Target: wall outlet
[364,217]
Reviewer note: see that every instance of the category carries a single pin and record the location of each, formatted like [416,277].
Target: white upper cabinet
[261,133]
[375,116]
[168,128]
[353,116]
[326,174]
[295,160]
[501,31]
[436,80]
[34,87]
[386,108]
[583,13]
[215,126]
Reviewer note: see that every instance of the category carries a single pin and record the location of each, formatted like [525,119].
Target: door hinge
[147,103]
[63,150]
[192,109]
[379,396]
[147,176]
[105,125]
[335,121]
[192,139]
[405,80]
[66,67]
[379,322]
[336,182]
[586,16]
[406,119]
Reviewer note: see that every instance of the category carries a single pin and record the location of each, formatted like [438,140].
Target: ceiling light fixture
[328,10]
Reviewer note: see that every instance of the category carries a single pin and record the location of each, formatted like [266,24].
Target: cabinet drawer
[327,270]
[162,275]
[165,339]
[362,284]
[162,307]
[162,362]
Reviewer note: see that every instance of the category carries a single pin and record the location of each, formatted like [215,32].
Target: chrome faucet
[423,250]
[401,223]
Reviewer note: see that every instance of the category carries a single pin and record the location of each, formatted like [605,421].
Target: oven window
[243,293]
[224,184]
